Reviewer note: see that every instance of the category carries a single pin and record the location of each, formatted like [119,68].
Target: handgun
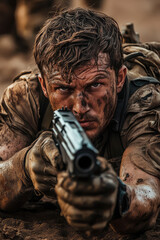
[78,153]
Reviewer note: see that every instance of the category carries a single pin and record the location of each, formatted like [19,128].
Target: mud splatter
[127,176]
[139,180]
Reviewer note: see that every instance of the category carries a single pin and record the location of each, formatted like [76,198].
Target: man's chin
[92,135]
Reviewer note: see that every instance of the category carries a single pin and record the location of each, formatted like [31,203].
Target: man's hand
[42,162]
[88,203]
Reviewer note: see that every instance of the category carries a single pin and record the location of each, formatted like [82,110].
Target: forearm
[15,187]
[143,210]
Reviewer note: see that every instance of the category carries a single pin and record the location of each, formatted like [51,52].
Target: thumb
[51,153]
[105,165]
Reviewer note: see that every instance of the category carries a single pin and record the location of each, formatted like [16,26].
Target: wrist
[123,200]
[19,187]
[26,165]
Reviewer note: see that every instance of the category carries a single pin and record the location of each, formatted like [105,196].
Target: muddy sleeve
[19,107]
[142,128]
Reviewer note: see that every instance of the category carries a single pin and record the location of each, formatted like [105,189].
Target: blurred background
[20,20]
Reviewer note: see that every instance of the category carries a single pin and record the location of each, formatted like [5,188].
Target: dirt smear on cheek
[82,97]
[99,102]
[109,106]
[106,107]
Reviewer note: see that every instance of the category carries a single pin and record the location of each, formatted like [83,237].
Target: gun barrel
[85,163]
[78,153]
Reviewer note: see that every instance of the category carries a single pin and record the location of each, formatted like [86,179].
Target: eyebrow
[99,76]
[54,79]
[102,75]
[60,83]
[57,80]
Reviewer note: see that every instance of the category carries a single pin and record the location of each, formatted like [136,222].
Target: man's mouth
[87,123]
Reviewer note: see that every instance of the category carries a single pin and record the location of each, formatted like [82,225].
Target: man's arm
[140,164]
[24,164]
[143,192]
[32,168]
[15,189]
[11,142]
[18,117]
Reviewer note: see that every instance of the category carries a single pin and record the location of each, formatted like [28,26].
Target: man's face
[91,95]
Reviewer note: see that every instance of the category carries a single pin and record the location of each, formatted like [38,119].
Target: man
[79,55]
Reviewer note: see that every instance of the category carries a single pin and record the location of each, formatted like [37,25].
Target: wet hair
[75,37]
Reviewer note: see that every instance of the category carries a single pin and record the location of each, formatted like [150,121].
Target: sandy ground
[42,221]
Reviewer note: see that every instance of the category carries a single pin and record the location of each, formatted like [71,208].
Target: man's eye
[95,85]
[63,89]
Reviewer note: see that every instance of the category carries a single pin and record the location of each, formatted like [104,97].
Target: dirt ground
[42,220]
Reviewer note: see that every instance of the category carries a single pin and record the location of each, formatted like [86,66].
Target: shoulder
[148,49]
[143,109]
[142,116]
[21,103]
[142,59]
[25,81]
[145,98]
[24,86]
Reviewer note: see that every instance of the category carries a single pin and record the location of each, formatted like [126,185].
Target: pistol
[78,153]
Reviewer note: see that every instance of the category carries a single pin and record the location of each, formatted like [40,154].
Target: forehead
[102,63]
[90,68]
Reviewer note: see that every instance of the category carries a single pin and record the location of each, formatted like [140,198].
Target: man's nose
[80,105]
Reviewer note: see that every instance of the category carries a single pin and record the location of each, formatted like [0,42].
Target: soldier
[80,58]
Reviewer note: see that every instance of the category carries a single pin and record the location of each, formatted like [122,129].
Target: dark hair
[73,38]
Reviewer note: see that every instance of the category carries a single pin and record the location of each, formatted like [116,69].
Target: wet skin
[91,94]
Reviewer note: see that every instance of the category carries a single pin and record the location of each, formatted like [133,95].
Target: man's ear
[121,78]
[43,85]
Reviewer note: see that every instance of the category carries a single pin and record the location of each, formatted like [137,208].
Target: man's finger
[83,216]
[105,183]
[102,201]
